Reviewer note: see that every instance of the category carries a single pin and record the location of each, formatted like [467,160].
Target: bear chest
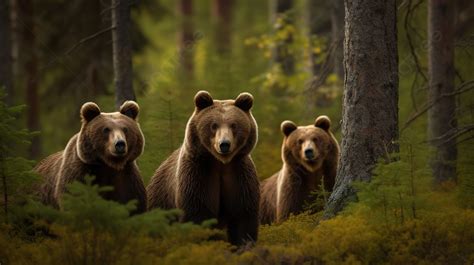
[224,188]
[106,176]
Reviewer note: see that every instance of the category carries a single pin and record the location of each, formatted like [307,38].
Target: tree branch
[86,39]
[410,40]
[464,87]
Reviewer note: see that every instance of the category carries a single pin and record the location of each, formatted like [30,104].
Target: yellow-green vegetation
[398,219]
[358,236]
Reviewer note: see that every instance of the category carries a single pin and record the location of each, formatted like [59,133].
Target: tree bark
[222,12]
[370,107]
[442,115]
[30,69]
[15,40]
[122,52]
[282,55]
[319,22]
[186,38]
[6,70]
[337,36]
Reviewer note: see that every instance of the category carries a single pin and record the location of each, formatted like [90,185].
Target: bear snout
[309,153]
[224,146]
[120,147]
[223,140]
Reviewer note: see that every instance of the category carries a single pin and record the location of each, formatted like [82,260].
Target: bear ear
[323,122]
[203,100]
[89,111]
[244,101]
[288,127]
[130,108]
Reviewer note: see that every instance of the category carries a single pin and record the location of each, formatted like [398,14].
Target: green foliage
[92,230]
[299,49]
[15,171]
[290,232]
[399,218]
[395,192]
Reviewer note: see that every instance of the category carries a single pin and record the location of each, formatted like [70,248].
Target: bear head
[306,146]
[225,128]
[113,138]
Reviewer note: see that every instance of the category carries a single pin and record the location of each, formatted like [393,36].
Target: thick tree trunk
[370,107]
[186,38]
[6,70]
[282,55]
[30,71]
[122,52]
[337,36]
[442,115]
[222,12]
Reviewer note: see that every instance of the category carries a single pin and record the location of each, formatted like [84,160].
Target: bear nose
[224,146]
[120,146]
[309,153]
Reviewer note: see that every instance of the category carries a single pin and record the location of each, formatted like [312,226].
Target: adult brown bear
[106,147]
[310,155]
[212,175]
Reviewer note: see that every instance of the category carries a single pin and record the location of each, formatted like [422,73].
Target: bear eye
[233,126]
[214,126]
[106,130]
[300,141]
[125,129]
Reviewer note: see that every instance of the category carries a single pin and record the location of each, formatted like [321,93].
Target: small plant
[16,176]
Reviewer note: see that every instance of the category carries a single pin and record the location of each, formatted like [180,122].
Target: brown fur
[286,191]
[203,182]
[90,152]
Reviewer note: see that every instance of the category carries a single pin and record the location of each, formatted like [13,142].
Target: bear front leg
[330,172]
[71,169]
[137,190]
[196,196]
[243,230]
[243,204]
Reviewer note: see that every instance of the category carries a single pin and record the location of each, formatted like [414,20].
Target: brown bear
[212,174]
[106,147]
[310,155]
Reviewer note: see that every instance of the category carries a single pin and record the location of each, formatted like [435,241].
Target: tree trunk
[6,70]
[441,116]
[337,36]
[319,22]
[282,55]
[30,71]
[370,107]
[222,12]
[122,52]
[15,40]
[186,38]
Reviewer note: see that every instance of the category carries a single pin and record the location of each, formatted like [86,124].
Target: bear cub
[106,147]
[212,174]
[310,155]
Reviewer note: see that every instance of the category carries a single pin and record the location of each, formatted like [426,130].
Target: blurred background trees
[122,51]
[287,53]
[442,122]
[292,56]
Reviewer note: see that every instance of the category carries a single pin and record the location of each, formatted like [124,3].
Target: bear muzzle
[120,147]
[309,154]
[224,147]
[223,141]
